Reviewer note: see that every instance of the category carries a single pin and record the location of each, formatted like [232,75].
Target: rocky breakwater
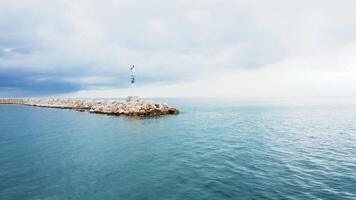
[132,107]
[128,107]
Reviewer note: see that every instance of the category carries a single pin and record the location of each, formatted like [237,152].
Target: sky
[181,48]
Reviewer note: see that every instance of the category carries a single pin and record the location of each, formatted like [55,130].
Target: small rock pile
[133,108]
[129,107]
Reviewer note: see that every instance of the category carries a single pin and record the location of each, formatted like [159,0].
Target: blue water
[213,150]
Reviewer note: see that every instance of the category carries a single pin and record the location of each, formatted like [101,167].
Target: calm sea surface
[215,149]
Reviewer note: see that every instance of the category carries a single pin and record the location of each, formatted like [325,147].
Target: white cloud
[328,74]
[6,50]
[179,41]
[91,80]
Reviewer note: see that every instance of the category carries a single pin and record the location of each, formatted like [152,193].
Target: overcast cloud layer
[180,47]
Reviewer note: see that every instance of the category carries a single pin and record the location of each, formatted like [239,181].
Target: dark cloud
[20,83]
[32,83]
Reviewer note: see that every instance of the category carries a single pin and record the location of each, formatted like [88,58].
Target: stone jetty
[131,106]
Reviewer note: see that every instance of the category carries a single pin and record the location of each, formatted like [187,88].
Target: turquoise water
[213,150]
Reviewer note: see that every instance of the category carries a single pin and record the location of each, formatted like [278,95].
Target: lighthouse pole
[132,83]
[132,76]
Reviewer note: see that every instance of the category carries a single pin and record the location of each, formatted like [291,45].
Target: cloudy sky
[181,48]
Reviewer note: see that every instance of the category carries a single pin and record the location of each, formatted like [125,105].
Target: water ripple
[231,152]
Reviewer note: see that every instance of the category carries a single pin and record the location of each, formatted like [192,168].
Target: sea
[216,148]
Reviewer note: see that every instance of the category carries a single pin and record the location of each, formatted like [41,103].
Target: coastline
[131,106]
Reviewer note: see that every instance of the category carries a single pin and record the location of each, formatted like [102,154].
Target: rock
[173,111]
[132,106]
